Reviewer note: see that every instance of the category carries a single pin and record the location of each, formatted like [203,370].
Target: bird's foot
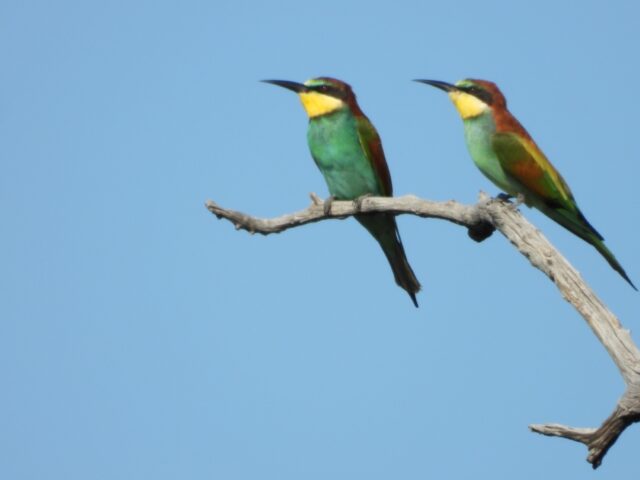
[357,203]
[326,208]
[505,197]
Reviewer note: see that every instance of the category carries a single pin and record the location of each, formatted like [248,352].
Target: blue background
[142,338]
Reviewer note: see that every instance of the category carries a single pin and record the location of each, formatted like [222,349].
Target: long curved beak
[447,87]
[294,86]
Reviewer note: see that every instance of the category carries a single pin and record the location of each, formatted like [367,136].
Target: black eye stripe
[326,89]
[478,93]
[329,90]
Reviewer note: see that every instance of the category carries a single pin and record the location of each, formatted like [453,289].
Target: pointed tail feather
[611,259]
[577,224]
[384,229]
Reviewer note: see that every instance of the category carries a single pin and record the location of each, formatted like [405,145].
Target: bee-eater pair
[347,149]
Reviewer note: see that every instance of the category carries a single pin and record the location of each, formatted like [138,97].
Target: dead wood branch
[481,220]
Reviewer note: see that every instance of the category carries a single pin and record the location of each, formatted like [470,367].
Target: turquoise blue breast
[335,147]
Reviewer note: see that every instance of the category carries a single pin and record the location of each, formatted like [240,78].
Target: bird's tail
[611,259]
[384,229]
[577,224]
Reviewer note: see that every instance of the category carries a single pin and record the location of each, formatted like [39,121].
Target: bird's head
[320,96]
[471,97]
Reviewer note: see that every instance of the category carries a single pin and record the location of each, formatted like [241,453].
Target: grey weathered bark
[481,220]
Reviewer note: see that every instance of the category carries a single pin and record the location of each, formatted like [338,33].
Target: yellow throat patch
[316,104]
[468,106]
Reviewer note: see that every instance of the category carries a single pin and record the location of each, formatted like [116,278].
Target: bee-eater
[346,148]
[505,152]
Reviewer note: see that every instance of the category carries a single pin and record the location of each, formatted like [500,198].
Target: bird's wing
[372,146]
[528,166]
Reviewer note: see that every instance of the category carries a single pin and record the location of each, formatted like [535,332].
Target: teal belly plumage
[336,149]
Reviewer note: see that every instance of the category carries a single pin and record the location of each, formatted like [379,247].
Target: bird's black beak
[294,86]
[447,87]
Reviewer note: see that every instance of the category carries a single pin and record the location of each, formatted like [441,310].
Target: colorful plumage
[347,149]
[505,152]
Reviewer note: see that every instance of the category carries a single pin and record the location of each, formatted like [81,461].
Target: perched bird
[505,152]
[347,149]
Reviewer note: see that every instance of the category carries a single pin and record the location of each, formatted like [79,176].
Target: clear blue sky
[142,338]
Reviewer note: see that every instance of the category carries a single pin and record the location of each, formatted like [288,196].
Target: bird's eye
[323,88]
[479,93]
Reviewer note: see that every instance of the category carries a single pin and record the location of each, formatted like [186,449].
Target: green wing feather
[372,146]
[541,184]
[383,226]
[544,188]
[528,166]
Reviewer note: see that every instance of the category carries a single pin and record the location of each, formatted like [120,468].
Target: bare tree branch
[481,220]
[466,215]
